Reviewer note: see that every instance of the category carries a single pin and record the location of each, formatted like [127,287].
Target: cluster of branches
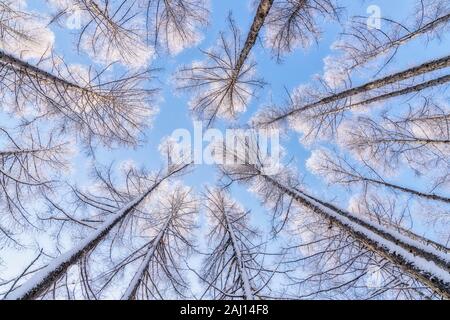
[28,162]
[295,23]
[130,31]
[226,80]
[125,214]
[87,101]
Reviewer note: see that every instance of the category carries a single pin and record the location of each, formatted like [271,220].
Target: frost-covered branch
[108,31]
[318,112]
[295,23]
[337,169]
[160,269]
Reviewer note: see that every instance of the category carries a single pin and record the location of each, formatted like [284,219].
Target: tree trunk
[393,78]
[248,293]
[44,279]
[258,21]
[130,293]
[416,88]
[426,265]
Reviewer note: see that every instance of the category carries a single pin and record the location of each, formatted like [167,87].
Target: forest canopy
[99,198]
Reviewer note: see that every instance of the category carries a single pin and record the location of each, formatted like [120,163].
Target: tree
[225,83]
[43,281]
[234,269]
[28,164]
[294,23]
[338,169]
[422,262]
[98,108]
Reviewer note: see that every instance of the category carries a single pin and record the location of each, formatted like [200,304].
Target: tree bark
[393,78]
[258,21]
[431,268]
[130,293]
[44,279]
[248,293]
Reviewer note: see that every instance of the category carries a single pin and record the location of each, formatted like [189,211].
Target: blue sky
[297,68]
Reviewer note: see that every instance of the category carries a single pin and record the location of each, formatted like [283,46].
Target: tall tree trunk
[404,39]
[258,21]
[248,292]
[426,265]
[130,293]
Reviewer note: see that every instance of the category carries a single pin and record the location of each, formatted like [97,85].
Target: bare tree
[235,268]
[119,207]
[294,23]
[29,163]
[403,252]
[98,108]
[318,112]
